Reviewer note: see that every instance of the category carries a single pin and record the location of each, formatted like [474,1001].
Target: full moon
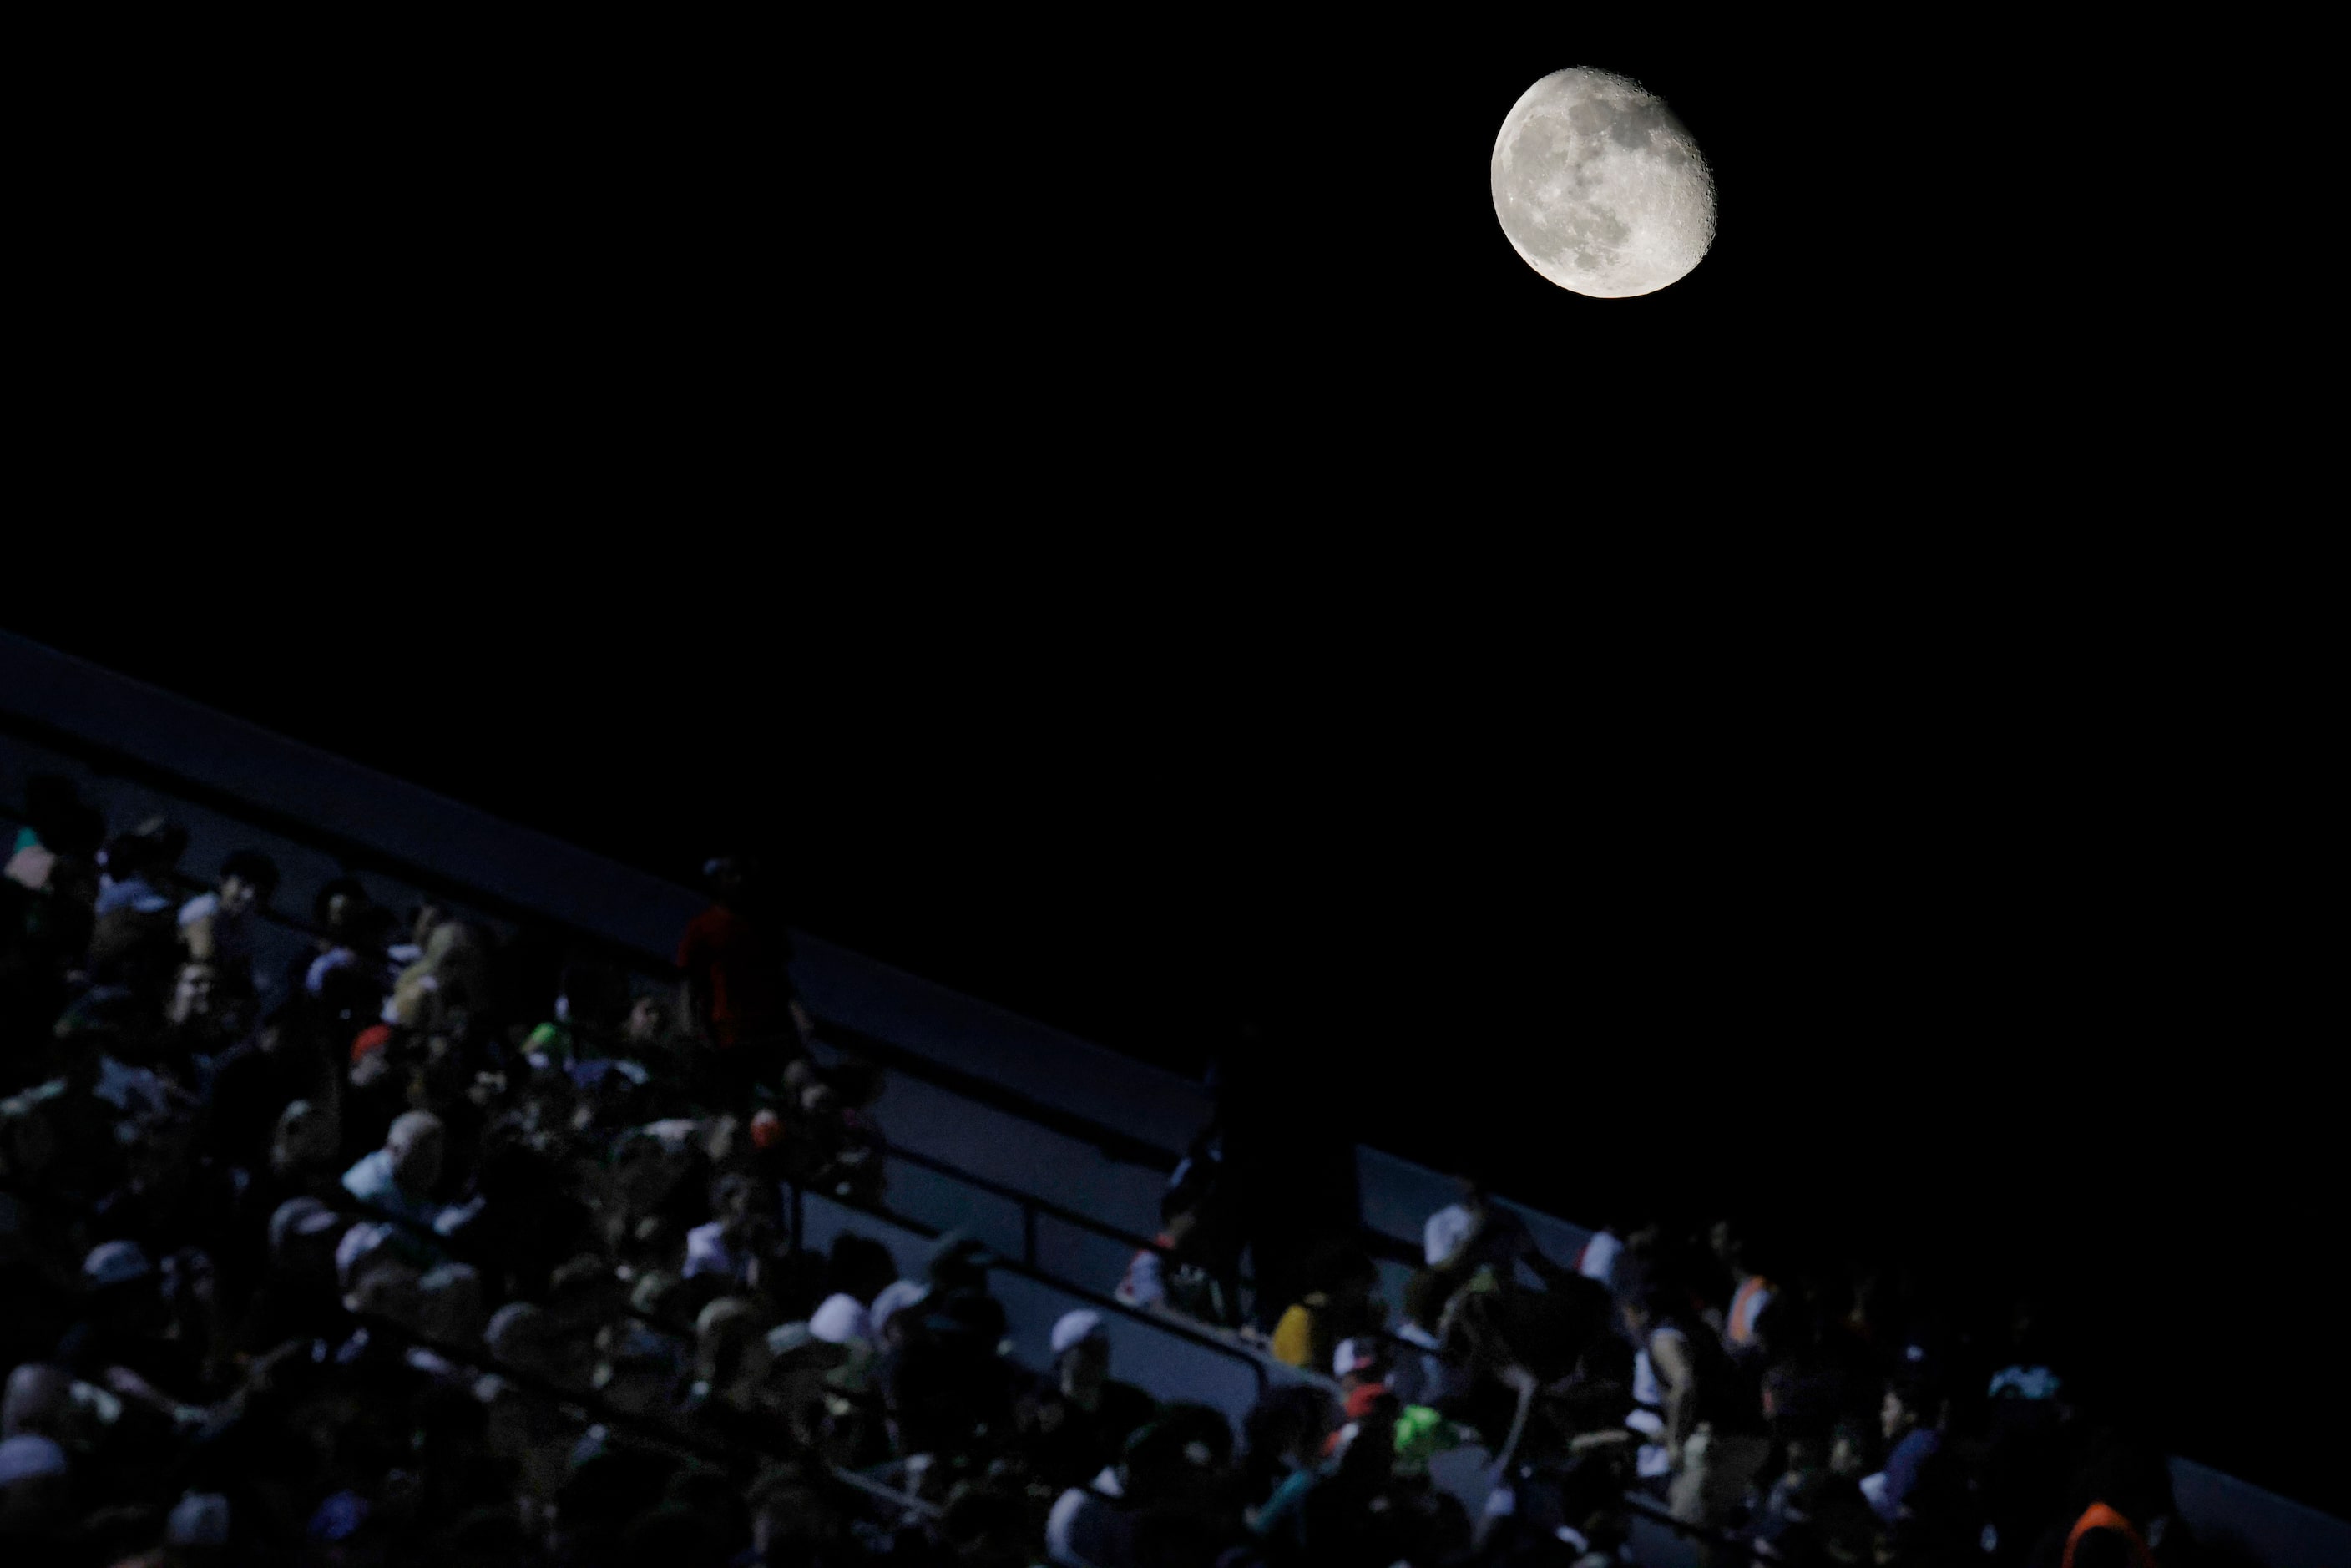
[1598,186]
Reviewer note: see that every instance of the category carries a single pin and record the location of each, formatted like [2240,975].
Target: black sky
[1111,507]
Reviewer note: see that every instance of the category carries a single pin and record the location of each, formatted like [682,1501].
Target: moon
[1598,186]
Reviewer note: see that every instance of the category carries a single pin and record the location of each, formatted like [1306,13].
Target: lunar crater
[1599,188]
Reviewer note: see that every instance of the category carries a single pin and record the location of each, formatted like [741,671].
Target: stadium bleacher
[1048,1149]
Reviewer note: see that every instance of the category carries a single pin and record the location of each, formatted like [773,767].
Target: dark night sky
[1115,511]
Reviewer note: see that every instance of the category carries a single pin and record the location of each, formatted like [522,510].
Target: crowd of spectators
[1794,1407]
[412,1251]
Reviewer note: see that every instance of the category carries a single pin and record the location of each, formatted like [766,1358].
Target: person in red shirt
[736,957]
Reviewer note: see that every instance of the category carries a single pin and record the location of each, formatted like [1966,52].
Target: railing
[355,857]
[1258,1362]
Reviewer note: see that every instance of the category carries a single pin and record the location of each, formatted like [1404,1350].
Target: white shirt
[325,964]
[1747,1306]
[706,1251]
[1146,1284]
[232,939]
[133,893]
[1648,1389]
[1649,1396]
[1599,1259]
[1447,1229]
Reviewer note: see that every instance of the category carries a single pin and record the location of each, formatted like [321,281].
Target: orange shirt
[744,969]
[1738,1328]
[2098,1516]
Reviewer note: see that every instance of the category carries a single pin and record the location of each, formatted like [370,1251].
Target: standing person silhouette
[1290,1164]
[735,959]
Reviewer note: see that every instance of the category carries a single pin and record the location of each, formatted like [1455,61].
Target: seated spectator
[1852,1450]
[592,1003]
[1911,1425]
[1793,1497]
[1689,1402]
[1339,1512]
[253,1081]
[204,1017]
[136,867]
[732,1361]
[2118,1509]
[46,923]
[841,1319]
[1597,1260]
[522,1335]
[348,980]
[945,1374]
[639,1373]
[1171,1276]
[303,1144]
[337,904]
[1360,1363]
[1346,1304]
[449,1305]
[649,1029]
[1282,1436]
[1475,1233]
[1498,1347]
[381,1270]
[1751,1295]
[427,916]
[125,1339]
[892,1300]
[1082,1417]
[2027,1375]
[445,988]
[729,1247]
[400,1177]
[2026,1421]
[298,1295]
[832,1145]
[1838,1526]
[128,970]
[220,926]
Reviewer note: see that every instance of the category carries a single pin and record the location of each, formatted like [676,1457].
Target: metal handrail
[353,855]
[1208,1338]
[662,1433]
[1031,1206]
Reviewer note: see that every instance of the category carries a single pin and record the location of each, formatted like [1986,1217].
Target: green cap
[1420,1434]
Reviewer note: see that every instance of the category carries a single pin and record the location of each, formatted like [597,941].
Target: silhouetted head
[417,1144]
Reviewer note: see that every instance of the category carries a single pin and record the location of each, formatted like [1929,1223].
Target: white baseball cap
[1085,1532]
[837,1320]
[1076,1327]
[897,1294]
[200,1519]
[114,1262]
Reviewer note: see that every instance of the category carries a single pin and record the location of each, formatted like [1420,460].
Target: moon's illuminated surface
[1598,186]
